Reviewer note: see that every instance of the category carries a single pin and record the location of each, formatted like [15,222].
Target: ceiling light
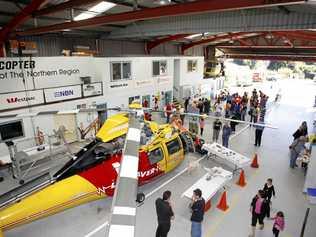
[162,2]
[193,36]
[95,10]
[269,36]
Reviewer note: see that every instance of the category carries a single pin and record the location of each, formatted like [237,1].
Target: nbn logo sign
[64,93]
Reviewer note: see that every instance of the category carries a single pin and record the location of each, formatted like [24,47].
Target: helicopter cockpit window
[173,146]
[146,134]
[155,156]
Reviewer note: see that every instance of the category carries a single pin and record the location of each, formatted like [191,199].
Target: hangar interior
[102,103]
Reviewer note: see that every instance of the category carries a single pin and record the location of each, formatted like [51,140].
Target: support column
[209,53]
[2,55]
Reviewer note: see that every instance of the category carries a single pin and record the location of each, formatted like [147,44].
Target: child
[269,191]
[278,224]
[202,124]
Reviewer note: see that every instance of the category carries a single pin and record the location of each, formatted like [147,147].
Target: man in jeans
[165,214]
[197,207]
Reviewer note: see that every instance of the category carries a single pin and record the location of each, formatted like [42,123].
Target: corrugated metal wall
[53,45]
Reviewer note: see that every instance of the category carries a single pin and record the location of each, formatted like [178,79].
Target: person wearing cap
[197,207]
[164,213]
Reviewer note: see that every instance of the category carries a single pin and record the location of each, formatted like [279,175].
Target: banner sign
[21,99]
[118,85]
[163,80]
[62,93]
[143,83]
[92,89]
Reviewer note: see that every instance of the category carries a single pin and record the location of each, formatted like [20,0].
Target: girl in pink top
[278,224]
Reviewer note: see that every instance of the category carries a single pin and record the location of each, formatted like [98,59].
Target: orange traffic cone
[222,205]
[254,163]
[242,181]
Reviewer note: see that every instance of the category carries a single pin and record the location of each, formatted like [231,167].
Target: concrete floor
[297,99]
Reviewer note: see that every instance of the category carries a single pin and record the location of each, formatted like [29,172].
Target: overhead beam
[240,40]
[63,6]
[274,57]
[215,38]
[50,18]
[266,47]
[152,44]
[297,35]
[21,17]
[188,8]
[75,3]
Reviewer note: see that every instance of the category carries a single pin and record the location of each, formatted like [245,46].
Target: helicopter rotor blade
[123,213]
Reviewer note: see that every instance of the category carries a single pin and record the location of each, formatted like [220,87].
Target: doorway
[168,97]
[146,101]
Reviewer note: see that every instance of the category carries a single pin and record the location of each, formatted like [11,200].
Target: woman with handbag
[295,149]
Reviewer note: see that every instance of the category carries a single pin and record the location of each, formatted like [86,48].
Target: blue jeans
[196,229]
[225,141]
[293,159]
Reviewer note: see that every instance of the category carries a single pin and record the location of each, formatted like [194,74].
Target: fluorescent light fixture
[95,10]
[193,36]
[197,35]
[162,2]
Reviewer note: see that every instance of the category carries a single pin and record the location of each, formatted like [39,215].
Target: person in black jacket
[258,208]
[197,207]
[269,191]
[164,214]
[301,131]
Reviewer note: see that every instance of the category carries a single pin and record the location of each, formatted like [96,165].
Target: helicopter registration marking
[141,174]
[146,173]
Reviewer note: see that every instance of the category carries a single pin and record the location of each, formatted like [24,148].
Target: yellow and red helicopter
[93,171]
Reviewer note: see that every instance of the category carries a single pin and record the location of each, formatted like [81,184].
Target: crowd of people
[234,107]
[260,209]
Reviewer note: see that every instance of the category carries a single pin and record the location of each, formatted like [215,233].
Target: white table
[210,186]
[226,155]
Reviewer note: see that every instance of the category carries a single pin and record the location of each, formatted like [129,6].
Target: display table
[229,157]
[210,184]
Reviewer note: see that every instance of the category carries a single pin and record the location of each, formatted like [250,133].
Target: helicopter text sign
[28,73]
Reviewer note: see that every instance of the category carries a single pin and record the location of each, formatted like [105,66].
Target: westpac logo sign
[13,100]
